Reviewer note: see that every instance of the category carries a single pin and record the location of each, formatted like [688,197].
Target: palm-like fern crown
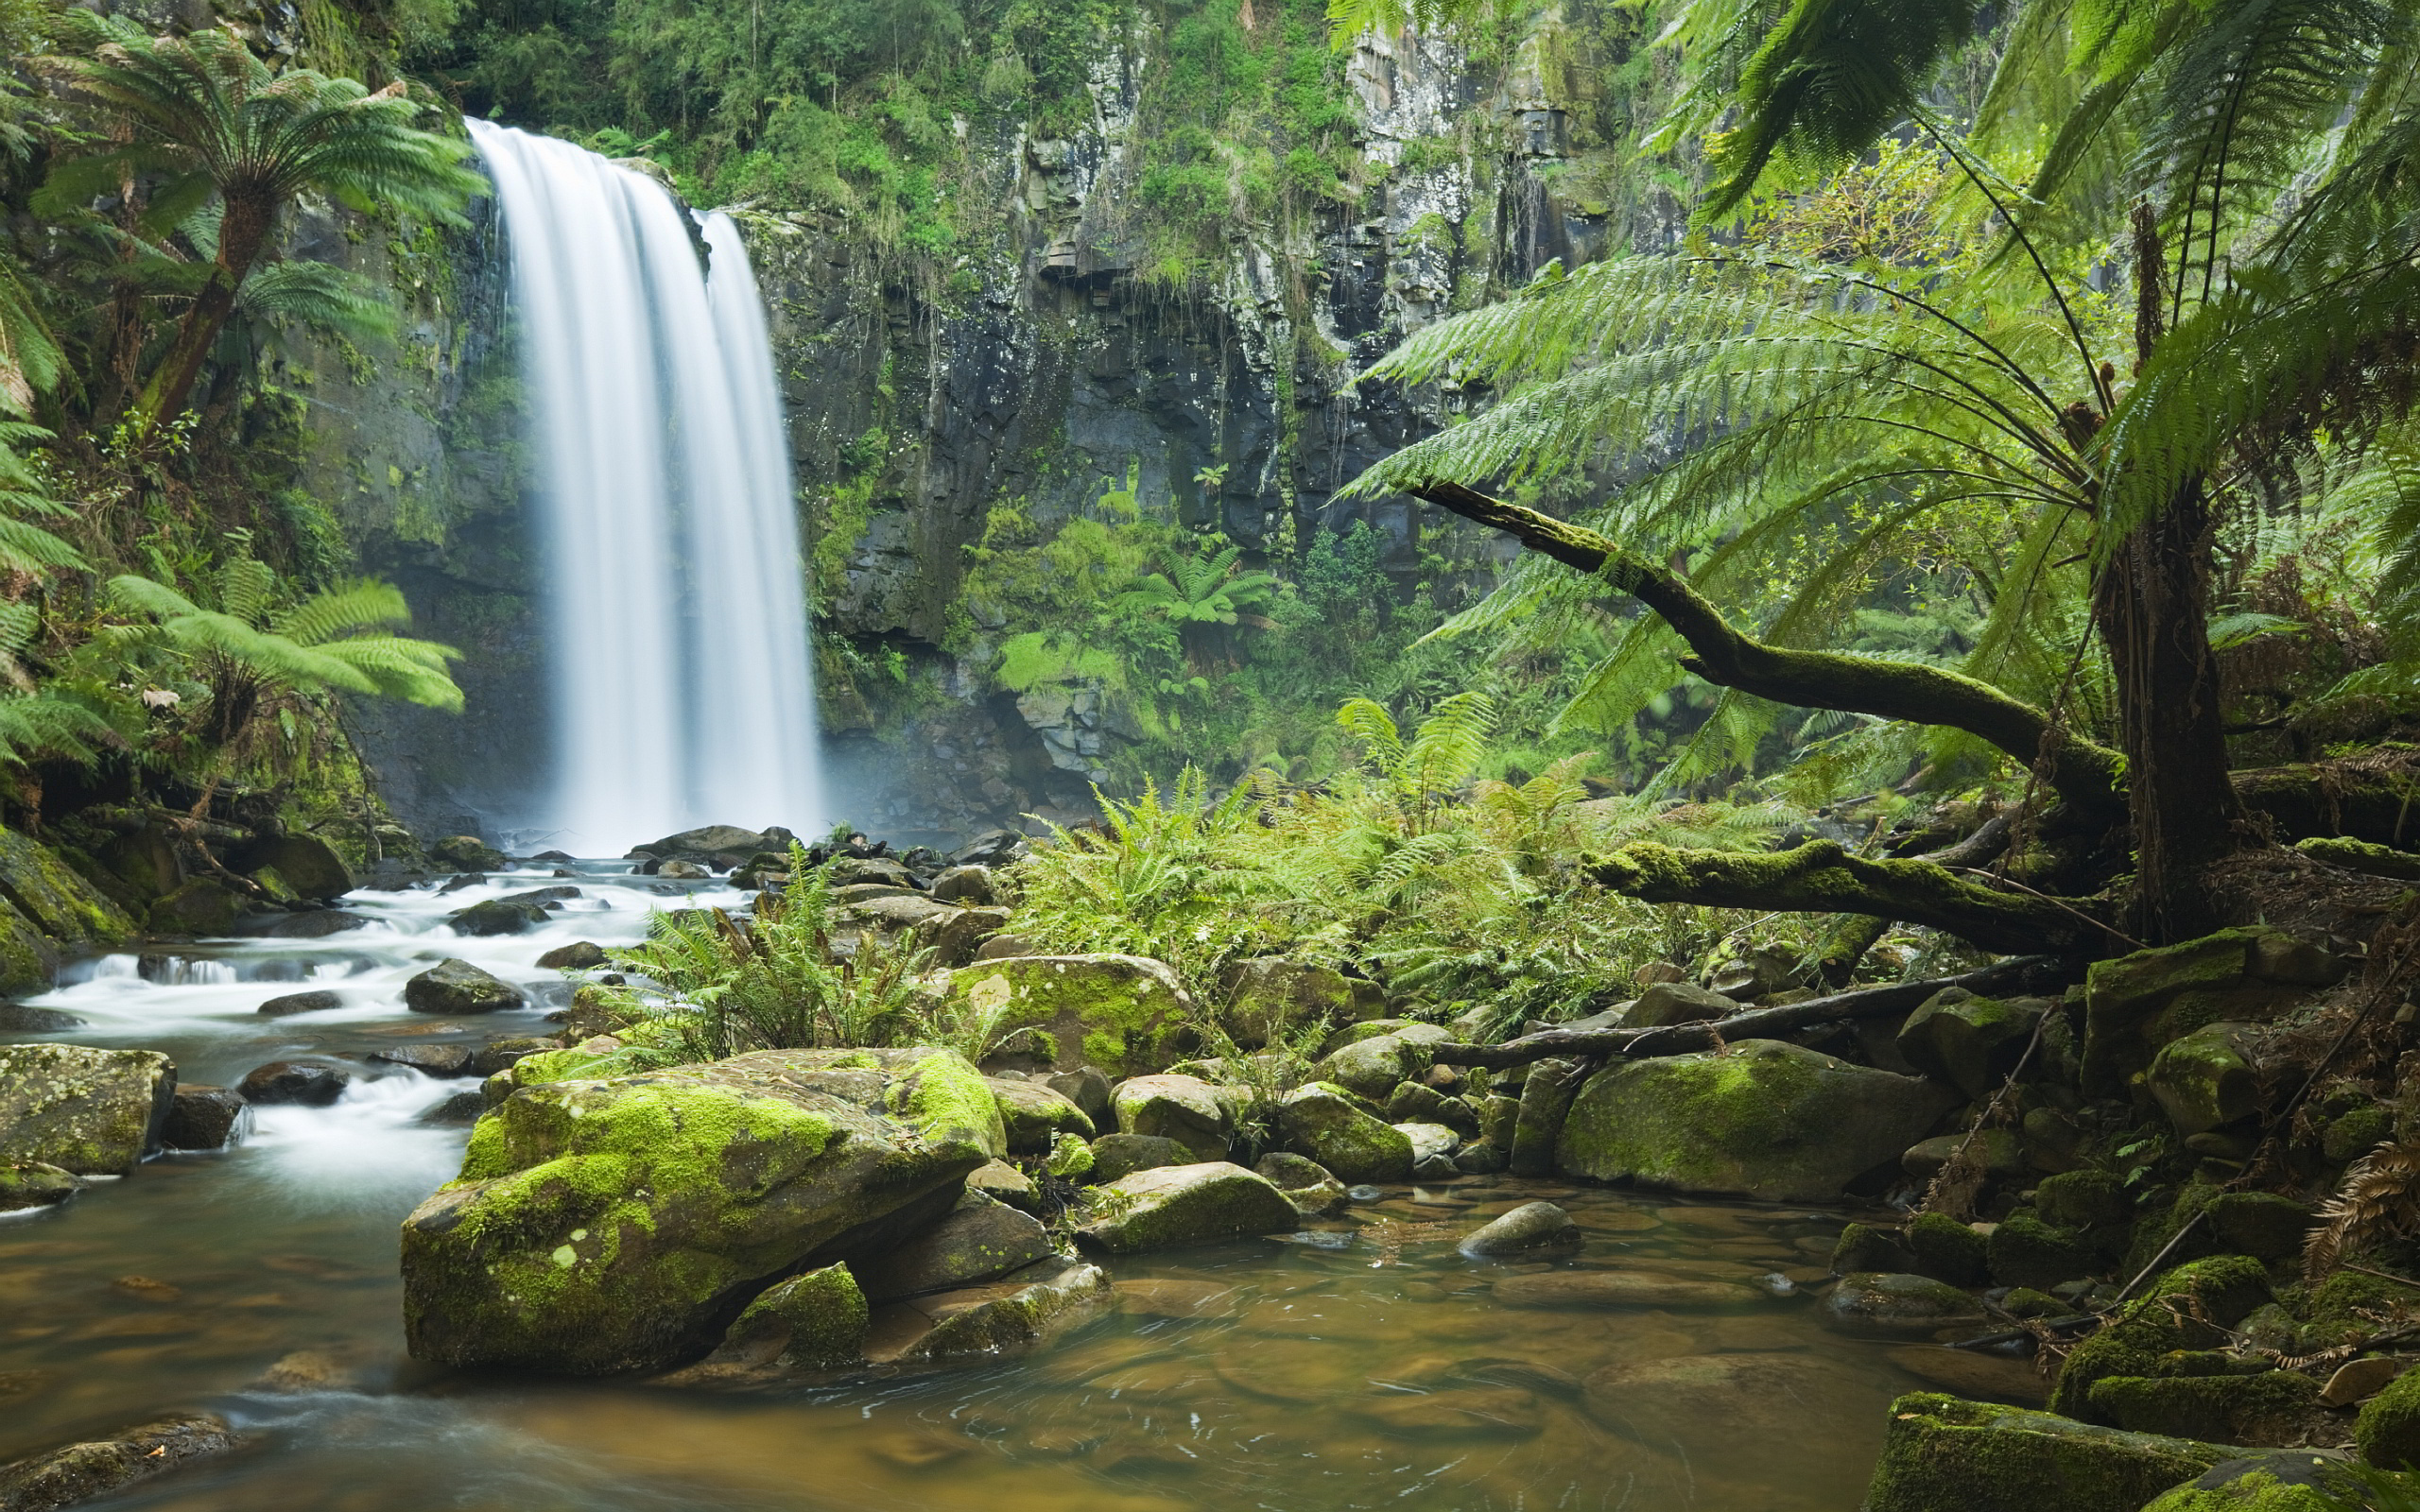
[204,105]
[1806,431]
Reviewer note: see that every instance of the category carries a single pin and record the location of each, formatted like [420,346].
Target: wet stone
[310,1084]
[429,1060]
[203,1118]
[17,1018]
[1618,1288]
[317,1001]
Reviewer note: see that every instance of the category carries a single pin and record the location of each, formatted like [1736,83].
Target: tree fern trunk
[2152,608]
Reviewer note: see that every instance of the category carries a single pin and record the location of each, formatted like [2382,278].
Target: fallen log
[2020,974]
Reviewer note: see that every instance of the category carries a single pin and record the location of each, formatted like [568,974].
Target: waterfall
[675,608]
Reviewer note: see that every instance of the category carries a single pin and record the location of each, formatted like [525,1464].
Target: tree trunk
[243,232]
[2152,608]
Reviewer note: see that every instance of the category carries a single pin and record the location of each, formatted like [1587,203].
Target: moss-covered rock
[2205,1079]
[1887,1306]
[1021,1311]
[1999,1149]
[2025,1251]
[307,863]
[2260,1224]
[618,1225]
[2125,994]
[1307,1184]
[1765,1118]
[1272,995]
[981,1240]
[1948,1250]
[2186,1309]
[55,897]
[1944,1454]
[812,1322]
[1112,1156]
[1197,1114]
[36,1185]
[1183,1205]
[2084,1200]
[1371,1066]
[455,987]
[2276,1407]
[2355,1133]
[1126,1014]
[2388,1430]
[86,1111]
[1033,1116]
[2252,1487]
[199,908]
[1547,1094]
[1864,1247]
[95,1467]
[468,853]
[1322,1121]
[1970,1042]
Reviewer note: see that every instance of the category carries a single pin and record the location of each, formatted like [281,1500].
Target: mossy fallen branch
[1821,877]
[2024,974]
[2084,774]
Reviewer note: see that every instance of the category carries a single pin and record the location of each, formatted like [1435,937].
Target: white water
[676,611]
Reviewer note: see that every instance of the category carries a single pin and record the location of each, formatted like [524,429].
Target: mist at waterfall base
[680,677]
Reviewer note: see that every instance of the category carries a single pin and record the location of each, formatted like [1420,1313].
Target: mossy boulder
[621,1225]
[1183,1205]
[2135,1004]
[2388,1430]
[2186,1308]
[2270,1407]
[1021,1311]
[1669,1002]
[201,907]
[981,1240]
[1765,1118]
[1864,1247]
[1948,1250]
[1547,1094]
[1324,1122]
[2282,1482]
[1946,1454]
[36,1185]
[2083,1199]
[1034,1116]
[468,853]
[1885,1306]
[1119,1155]
[812,1322]
[2206,1079]
[307,863]
[454,985]
[1126,1014]
[57,899]
[1197,1114]
[1371,1066]
[86,1111]
[2025,1251]
[2260,1224]
[1306,1183]
[1272,995]
[1970,1042]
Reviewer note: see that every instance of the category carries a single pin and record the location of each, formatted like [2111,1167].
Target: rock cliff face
[1040,375]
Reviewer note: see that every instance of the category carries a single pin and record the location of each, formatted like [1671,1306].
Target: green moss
[2025,1251]
[1941,1455]
[2221,1408]
[2388,1430]
[2183,1311]
[2253,1491]
[947,1102]
[1948,1250]
[817,1319]
[2344,1307]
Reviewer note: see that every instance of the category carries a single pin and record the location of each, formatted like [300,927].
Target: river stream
[1363,1364]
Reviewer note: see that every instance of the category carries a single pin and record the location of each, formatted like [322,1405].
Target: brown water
[1368,1364]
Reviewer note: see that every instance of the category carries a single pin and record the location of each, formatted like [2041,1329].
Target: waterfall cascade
[676,610]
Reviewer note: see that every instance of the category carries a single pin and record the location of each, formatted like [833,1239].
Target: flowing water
[1364,1363]
[676,610]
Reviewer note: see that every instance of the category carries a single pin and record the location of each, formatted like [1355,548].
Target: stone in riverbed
[1759,1399]
[1968,1042]
[1529,1227]
[1035,1116]
[1322,1121]
[16,1018]
[201,906]
[1183,1205]
[1898,1306]
[1020,1311]
[1765,1118]
[90,1112]
[1003,1182]
[204,1117]
[318,924]
[316,1001]
[455,987]
[814,1322]
[499,917]
[1090,1090]
[1371,1066]
[1121,1155]
[1941,1453]
[1618,1288]
[461,1111]
[310,1084]
[82,1472]
[1306,1183]
[468,853]
[579,956]
[609,1225]
[981,1240]
[429,1060]
[35,1185]
[1193,1112]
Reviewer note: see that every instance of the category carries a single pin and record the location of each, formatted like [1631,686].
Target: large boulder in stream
[455,987]
[622,1224]
[90,1112]
[1763,1117]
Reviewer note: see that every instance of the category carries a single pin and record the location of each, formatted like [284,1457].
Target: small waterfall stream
[676,611]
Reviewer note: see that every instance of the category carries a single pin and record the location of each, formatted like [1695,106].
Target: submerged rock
[455,987]
[1898,1306]
[608,1226]
[499,916]
[36,1185]
[1183,1205]
[1020,1311]
[1618,1288]
[1765,1118]
[81,1473]
[981,1240]
[309,1083]
[17,1018]
[1531,1225]
[92,1112]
